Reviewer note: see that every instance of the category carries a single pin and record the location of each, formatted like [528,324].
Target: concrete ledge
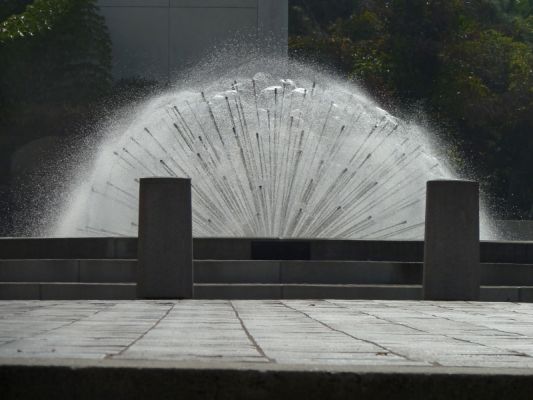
[88,291]
[222,249]
[366,292]
[241,249]
[368,250]
[306,291]
[256,271]
[344,272]
[361,292]
[110,271]
[68,248]
[111,379]
[506,252]
[526,294]
[89,271]
[357,250]
[20,291]
[246,291]
[317,249]
[236,271]
[67,291]
[238,291]
[507,274]
[350,272]
[314,272]
[500,293]
[39,271]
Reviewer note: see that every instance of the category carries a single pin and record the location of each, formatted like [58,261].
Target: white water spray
[268,157]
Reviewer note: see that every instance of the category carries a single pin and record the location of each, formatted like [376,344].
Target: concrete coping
[241,249]
[79,363]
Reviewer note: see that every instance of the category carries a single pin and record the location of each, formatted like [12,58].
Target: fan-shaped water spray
[268,157]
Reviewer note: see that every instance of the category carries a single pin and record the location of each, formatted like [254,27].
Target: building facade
[155,39]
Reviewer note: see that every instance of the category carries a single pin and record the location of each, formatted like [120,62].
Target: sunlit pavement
[333,332]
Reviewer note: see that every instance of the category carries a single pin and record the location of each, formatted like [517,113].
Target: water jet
[308,157]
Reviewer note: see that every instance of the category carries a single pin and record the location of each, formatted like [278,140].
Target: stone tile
[329,332]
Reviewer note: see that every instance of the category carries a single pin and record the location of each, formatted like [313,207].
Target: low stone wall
[257,272]
[68,248]
[255,249]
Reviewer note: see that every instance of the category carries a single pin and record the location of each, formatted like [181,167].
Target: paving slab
[275,332]
[263,349]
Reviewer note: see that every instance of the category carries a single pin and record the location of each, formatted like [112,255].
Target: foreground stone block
[451,249]
[165,239]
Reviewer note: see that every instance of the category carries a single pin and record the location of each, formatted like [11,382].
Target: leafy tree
[56,51]
[55,69]
[38,17]
[55,66]
[486,92]
[467,64]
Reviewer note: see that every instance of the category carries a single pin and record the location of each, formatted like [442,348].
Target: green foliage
[12,7]
[55,60]
[486,92]
[468,64]
[38,17]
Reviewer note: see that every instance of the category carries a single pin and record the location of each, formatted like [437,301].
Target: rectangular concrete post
[451,244]
[165,269]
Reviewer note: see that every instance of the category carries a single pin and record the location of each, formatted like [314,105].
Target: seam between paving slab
[479,325]
[448,336]
[466,331]
[386,350]
[434,363]
[165,314]
[57,327]
[518,353]
[249,335]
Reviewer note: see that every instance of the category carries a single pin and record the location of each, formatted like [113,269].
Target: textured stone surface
[331,332]
[451,241]
[164,269]
[240,249]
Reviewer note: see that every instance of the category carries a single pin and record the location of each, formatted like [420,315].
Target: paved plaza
[328,332]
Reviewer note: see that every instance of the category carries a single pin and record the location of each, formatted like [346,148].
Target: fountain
[268,156]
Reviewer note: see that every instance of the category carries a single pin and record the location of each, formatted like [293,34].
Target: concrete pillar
[165,268]
[451,246]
